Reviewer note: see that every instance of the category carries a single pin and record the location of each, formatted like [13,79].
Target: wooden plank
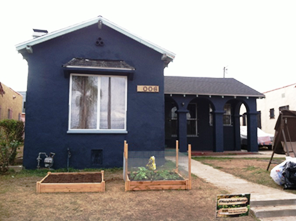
[103,186]
[156,185]
[177,155]
[71,187]
[71,173]
[158,182]
[124,149]
[126,160]
[38,187]
[160,187]
[127,185]
[189,166]
[70,190]
[94,190]
[102,173]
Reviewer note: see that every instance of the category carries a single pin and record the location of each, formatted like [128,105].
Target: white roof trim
[84,24]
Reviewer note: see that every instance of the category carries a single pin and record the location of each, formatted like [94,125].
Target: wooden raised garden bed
[72,182]
[157,185]
[180,183]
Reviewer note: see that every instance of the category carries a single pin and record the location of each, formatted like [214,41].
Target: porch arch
[216,137]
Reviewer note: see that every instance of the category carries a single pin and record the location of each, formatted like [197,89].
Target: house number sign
[148,88]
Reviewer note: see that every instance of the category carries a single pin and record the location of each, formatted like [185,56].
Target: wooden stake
[126,159]
[102,172]
[189,165]
[177,156]
[124,149]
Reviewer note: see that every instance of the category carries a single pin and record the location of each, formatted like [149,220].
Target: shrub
[11,137]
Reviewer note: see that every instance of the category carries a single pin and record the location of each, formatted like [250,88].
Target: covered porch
[205,112]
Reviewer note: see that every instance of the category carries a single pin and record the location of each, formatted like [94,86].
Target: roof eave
[155,47]
[55,34]
[208,94]
[84,24]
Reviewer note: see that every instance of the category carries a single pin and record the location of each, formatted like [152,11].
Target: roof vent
[39,32]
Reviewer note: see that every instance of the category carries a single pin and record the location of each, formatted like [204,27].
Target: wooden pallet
[42,187]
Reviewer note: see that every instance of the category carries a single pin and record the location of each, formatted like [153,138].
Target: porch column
[182,130]
[236,128]
[218,133]
[252,132]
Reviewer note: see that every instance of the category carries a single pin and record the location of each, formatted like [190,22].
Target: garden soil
[73,178]
[19,201]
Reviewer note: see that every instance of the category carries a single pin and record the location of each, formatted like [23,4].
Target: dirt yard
[18,201]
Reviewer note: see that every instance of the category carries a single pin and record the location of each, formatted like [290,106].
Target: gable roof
[100,21]
[208,86]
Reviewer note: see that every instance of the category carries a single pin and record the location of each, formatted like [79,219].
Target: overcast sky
[254,39]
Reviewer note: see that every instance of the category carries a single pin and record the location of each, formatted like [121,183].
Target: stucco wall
[276,99]
[10,100]
[48,98]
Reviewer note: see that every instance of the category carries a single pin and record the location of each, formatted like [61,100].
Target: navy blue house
[93,85]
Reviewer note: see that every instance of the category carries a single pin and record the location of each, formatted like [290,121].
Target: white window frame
[98,130]
[211,117]
[190,119]
[193,119]
[228,107]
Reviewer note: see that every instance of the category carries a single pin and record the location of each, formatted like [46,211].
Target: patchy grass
[250,169]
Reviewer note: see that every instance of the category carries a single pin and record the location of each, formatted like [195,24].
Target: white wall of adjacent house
[275,101]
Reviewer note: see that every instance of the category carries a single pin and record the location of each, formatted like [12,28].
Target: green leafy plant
[141,173]
[11,137]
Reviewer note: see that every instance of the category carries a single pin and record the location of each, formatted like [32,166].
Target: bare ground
[18,201]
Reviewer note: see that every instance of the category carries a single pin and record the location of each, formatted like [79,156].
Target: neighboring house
[93,85]
[10,103]
[283,98]
[23,93]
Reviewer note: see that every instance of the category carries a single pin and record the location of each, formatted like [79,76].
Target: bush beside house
[11,138]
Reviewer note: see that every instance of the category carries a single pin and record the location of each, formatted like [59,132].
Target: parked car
[264,139]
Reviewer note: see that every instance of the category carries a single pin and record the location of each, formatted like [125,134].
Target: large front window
[97,102]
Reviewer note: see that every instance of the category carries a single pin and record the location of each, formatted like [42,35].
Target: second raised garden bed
[157,180]
[72,182]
